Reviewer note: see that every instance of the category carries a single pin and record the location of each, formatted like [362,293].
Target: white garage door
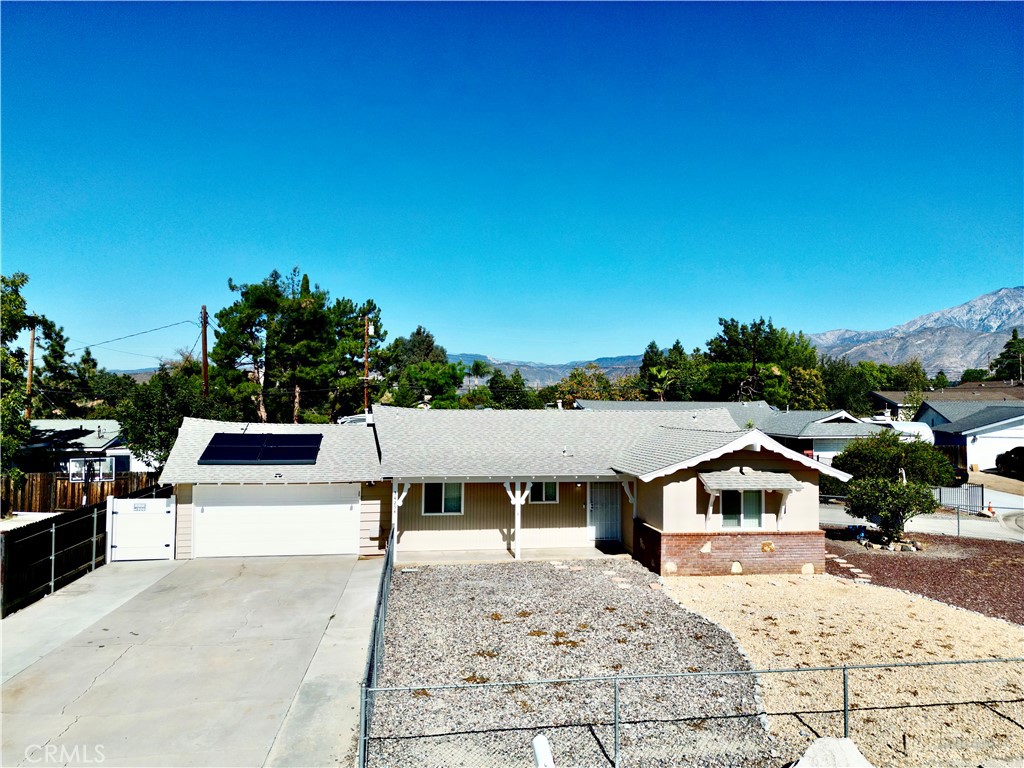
[235,521]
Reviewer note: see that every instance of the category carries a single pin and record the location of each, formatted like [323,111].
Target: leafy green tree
[151,414]
[478,370]
[434,383]
[476,398]
[761,342]
[908,376]
[661,378]
[807,389]
[889,503]
[884,454]
[56,394]
[848,386]
[1008,363]
[511,392]
[14,427]
[972,375]
[627,387]
[652,358]
[587,383]
[941,381]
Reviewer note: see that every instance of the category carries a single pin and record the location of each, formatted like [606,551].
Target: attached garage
[249,490]
[248,520]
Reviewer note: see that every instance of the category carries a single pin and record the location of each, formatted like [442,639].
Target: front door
[603,513]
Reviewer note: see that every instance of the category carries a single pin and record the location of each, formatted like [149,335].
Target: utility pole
[366,363]
[205,319]
[31,362]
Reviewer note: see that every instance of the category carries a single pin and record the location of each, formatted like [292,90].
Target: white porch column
[782,509]
[630,489]
[396,502]
[712,495]
[518,497]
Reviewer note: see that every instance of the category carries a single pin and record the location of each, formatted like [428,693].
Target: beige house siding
[488,520]
[183,523]
[684,501]
[374,518]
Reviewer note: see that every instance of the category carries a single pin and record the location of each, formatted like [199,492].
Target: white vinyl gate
[140,529]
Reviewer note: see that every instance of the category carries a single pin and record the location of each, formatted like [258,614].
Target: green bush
[884,454]
[889,503]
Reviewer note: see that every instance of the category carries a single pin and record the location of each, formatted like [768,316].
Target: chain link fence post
[846,703]
[616,715]
[53,556]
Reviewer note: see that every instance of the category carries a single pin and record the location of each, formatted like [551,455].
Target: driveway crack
[89,687]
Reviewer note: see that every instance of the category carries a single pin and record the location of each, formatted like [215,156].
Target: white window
[544,493]
[742,509]
[442,498]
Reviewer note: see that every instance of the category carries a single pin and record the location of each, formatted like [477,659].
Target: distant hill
[951,340]
[543,374]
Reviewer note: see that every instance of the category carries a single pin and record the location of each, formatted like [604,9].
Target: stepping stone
[608,573]
[556,562]
[830,556]
[623,586]
[618,579]
[562,567]
[845,565]
[576,568]
[655,585]
[856,570]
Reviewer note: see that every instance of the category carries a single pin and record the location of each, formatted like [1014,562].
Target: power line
[132,335]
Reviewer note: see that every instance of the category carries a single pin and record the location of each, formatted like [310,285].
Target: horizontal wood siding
[374,518]
[488,520]
[183,523]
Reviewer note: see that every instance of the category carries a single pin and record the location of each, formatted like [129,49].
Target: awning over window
[746,479]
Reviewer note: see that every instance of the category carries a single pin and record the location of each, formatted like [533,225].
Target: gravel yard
[980,575]
[927,717]
[478,624]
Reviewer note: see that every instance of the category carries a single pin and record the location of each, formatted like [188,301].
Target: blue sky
[544,182]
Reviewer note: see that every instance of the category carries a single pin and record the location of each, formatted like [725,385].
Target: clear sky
[546,182]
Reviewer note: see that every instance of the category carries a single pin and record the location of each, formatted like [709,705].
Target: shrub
[889,503]
[884,454]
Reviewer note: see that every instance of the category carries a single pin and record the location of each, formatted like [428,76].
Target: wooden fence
[54,492]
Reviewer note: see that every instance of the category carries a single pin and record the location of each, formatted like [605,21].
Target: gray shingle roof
[839,430]
[745,479]
[756,411]
[74,434]
[668,446]
[504,444]
[347,454]
[982,418]
[954,410]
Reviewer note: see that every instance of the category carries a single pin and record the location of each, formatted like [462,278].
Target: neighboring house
[818,434]
[274,489]
[895,403]
[974,433]
[53,442]
[686,491]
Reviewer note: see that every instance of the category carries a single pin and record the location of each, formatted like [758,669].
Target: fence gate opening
[140,529]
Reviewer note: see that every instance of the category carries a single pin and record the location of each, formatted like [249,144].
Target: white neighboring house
[55,442]
[977,432]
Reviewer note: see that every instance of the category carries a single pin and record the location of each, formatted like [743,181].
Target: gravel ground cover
[921,717]
[976,574]
[476,625]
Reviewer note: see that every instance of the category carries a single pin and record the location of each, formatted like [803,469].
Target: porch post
[782,509]
[517,498]
[712,495]
[396,503]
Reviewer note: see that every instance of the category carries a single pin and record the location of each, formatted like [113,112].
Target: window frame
[533,487]
[442,513]
[743,523]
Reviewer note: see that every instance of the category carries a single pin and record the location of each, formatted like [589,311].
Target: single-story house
[686,491]
[53,443]
[894,403]
[975,432]
[274,489]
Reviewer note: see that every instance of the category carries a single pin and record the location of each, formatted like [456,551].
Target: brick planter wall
[715,554]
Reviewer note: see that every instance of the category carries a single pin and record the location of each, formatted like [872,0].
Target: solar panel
[226,448]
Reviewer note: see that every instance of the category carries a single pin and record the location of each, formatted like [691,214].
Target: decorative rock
[736,568]
[890,547]
[807,569]
[907,548]
[671,567]
[832,753]
[623,586]
[654,585]
[706,549]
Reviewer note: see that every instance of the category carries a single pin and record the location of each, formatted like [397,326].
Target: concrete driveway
[219,662]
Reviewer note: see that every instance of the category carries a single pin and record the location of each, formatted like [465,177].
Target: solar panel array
[261,448]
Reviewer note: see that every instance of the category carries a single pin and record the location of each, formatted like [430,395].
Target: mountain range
[950,340]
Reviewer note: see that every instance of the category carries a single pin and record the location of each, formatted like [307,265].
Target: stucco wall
[983,448]
[678,503]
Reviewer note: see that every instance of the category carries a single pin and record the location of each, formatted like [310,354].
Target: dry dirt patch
[931,716]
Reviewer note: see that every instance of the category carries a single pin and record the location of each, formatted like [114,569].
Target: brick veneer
[679,554]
